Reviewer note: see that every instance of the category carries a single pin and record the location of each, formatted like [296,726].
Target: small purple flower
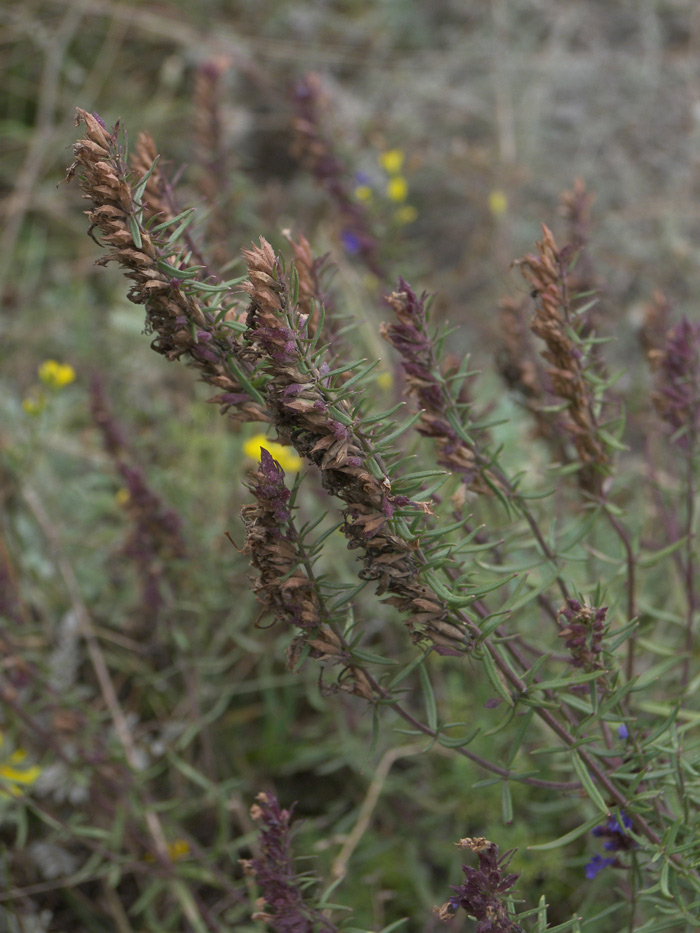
[614,833]
[623,732]
[351,242]
[596,864]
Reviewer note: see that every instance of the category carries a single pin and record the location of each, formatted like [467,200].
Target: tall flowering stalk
[320,422]
[285,586]
[281,904]
[522,370]
[178,311]
[409,336]
[547,274]
[677,391]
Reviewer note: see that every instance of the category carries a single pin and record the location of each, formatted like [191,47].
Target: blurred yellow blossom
[397,189]
[176,850]
[363,193]
[391,161]
[13,773]
[385,380]
[406,214]
[122,496]
[498,202]
[287,457]
[34,404]
[56,375]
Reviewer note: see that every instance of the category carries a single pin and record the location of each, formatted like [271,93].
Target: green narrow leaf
[428,697]
[495,677]
[567,837]
[519,736]
[173,220]
[506,803]
[243,379]
[143,181]
[135,230]
[416,662]
[370,657]
[587,782]
[459,742]
[652,559]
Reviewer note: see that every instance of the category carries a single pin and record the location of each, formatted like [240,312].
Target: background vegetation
[495,107]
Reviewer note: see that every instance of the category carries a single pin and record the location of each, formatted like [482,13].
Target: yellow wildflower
[122,496]
[385,380]
[34,404]
[406,214]
[498,202]
[13,774]
[363,193]
[391,161]
[397,189]
[287,457]
[176,850]
[56,375]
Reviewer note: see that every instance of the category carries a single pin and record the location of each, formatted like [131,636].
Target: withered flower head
[323,430]
[282,904]
[584,628]
[546,272]
[183,325]
[409,336]
[483,892]
[677,391]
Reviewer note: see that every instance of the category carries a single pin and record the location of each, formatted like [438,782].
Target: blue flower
[351,241]
[596,864]
[623,732]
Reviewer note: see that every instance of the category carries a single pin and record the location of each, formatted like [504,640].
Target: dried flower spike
[547,274]
[282,904]
[484,889]
[183,324]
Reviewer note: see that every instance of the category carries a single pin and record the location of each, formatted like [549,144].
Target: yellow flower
[397,189]
[498,202]
[56,375]
[363,193]
[12,773]
[385,380]
[176,850]
[122,496]
[406,214]
[287,458]
[34,404]
[391,161]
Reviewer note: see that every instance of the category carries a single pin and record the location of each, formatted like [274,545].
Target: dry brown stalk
[425,384]
[283,586]
[323,431]
[183,325]
[522,371]
[546,273]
